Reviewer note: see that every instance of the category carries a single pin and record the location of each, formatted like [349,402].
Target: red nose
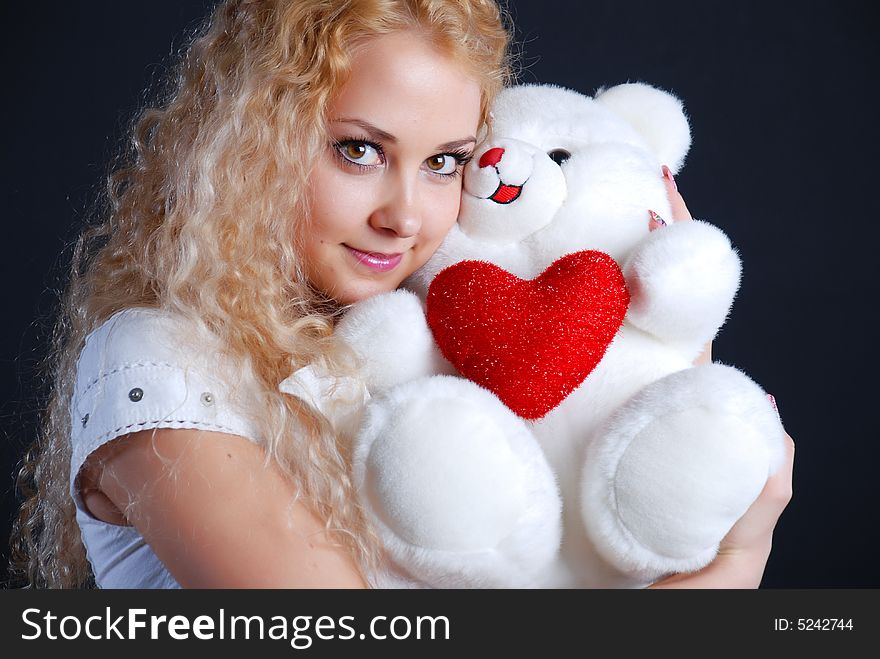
[492,157]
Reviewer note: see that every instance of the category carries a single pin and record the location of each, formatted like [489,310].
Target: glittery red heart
[532,342]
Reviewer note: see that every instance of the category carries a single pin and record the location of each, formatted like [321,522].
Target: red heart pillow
[531,342]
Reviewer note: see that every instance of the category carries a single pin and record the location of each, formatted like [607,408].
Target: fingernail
[656,222]
[667,174]
[772,400]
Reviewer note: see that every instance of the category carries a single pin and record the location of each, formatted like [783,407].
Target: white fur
[543,191]
[658,116]
[682,281]
[390,335]
[458,490]
[666,478]
[652,460]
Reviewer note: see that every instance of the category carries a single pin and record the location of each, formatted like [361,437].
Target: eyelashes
[461,156]
[366,155]
[354,152]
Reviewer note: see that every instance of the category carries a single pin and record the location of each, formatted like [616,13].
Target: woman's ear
[657,116]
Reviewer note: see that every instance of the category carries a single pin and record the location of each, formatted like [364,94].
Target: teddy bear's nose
[492,157]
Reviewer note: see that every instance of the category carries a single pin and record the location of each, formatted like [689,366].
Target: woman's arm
[217,514]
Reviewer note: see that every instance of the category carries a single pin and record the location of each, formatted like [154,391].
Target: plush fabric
[531,342]
[643,466]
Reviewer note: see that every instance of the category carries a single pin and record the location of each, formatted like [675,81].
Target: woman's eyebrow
[375,132]
[456,144]
[380,135]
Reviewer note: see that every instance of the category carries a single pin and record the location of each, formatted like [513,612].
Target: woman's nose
[398,213]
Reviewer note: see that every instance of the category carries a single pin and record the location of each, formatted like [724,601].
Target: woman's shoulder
[141,334]
[149,339]
[143,369]
[161,354]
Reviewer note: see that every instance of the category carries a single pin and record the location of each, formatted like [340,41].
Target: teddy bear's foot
[456,486]
[676,467]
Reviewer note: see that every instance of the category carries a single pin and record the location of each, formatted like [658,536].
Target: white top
[145,369]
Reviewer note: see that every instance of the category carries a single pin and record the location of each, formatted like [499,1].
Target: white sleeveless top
[145,369]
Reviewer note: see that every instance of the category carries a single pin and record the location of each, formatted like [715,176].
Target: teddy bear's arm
[682,282]
[391,337]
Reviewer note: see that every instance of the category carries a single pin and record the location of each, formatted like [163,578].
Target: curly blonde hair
[192,223]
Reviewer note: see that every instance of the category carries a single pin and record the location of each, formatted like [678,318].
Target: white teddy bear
[644,466]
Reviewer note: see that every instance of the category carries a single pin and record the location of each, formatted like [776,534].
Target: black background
[784,108]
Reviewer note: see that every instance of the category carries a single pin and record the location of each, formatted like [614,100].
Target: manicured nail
[667,174]
[656,222]
[772,400]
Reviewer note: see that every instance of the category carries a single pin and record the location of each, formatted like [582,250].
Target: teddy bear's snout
[492,157]
[504,193]
[511,189]
[499,173]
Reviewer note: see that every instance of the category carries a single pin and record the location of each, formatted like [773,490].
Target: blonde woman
[308,156]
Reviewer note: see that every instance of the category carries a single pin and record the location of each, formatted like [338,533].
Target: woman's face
[387,189]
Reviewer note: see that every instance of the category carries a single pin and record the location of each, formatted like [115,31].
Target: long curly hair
[196,220]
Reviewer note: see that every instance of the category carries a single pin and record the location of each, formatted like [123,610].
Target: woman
[309,157]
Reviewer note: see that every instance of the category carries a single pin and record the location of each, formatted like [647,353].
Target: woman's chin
[362,289]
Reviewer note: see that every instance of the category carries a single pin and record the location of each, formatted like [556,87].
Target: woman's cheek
[448,208]
[338,199]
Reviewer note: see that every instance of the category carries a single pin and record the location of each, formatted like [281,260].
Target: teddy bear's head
[565,171]
[561,172]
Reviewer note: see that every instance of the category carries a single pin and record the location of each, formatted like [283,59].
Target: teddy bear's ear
[658,116]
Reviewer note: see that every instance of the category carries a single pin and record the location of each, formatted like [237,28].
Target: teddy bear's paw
[391,337]
[456,486]
[682,282]
[677,466]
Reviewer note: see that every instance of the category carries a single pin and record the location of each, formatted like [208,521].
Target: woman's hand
[743,553]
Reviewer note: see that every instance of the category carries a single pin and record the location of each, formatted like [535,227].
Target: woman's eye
[360,153]
[442,164]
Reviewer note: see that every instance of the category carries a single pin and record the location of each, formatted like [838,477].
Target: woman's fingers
[680,212]
[754,530]
[742,556]
[704,357]
[779,486]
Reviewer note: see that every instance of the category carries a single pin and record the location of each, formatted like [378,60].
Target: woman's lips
[376,260]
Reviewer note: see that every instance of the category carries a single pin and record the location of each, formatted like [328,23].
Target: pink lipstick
[376,260]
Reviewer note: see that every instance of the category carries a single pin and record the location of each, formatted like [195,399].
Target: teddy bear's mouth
[506,193]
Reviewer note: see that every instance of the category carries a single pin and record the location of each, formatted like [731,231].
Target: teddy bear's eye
[559,156]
